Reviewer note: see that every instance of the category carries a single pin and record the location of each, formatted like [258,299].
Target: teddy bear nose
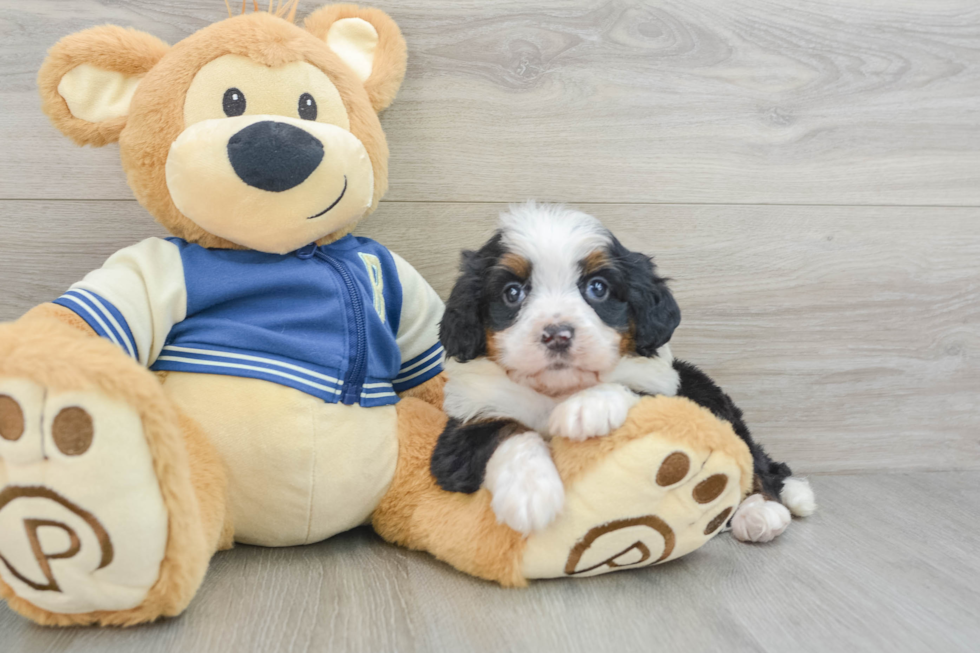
[274,156]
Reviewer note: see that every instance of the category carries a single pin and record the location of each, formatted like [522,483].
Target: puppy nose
[274,156]
[558,337]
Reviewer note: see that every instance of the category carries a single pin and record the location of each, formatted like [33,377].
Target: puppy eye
[307,107]
[597,289]
[514,294]
[233,102]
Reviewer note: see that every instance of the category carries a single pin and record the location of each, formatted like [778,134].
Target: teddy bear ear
[369,42]
[88,79]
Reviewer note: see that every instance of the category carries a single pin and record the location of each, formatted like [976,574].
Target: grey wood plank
[847,334]
[721,101]
[888,563]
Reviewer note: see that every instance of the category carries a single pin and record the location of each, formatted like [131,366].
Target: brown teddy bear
[264,376]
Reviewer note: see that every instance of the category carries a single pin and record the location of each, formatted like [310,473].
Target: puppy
[555,329]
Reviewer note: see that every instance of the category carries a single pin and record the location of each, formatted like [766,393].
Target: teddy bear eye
[307,107]
[233,102]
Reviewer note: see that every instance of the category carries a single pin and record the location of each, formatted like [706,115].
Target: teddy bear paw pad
[647,502]
[83,525]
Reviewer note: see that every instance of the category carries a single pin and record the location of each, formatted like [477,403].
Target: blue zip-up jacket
[348,322]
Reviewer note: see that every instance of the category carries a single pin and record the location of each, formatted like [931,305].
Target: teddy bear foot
[651,492]
[83,526]
[685,499]
[101,520]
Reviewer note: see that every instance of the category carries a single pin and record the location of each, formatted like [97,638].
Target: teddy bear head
[252,133]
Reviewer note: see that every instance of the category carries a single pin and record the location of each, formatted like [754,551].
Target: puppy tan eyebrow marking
[516,264]
[594,262]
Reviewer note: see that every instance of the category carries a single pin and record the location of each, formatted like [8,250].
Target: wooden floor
[889,564]
[808,173]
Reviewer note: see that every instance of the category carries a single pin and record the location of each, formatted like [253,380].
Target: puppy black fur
[462,452]
[461,331]
[655,311]
[699,388]
[459,461]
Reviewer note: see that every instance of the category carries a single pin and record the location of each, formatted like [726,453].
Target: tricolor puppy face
[252,132]
[556,301]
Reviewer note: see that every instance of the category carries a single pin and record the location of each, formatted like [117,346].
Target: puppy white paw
[599,410]
[758,520]
[527,492]
[797,495]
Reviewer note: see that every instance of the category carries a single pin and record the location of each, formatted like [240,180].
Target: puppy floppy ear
[88,79]
[369,42]
[461,331]
[653,309]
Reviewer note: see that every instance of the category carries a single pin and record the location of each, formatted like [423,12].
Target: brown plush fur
[674,419]
[57,312]
[460,529]
[431,392]
[85,363]
[119,49]
[210,481]
[390,56]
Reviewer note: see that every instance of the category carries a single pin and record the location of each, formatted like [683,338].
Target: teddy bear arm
[49,311]
[421,374]
[657,488]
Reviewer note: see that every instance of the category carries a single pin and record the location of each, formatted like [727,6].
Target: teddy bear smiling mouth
[335,202]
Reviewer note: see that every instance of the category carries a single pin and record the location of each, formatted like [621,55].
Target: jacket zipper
[356,371]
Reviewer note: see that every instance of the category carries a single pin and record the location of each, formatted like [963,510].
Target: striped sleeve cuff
[420,369]
[104,318]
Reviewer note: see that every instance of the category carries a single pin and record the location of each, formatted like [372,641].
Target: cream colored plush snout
[270,183]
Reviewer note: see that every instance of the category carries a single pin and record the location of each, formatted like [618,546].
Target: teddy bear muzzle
[270,183]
